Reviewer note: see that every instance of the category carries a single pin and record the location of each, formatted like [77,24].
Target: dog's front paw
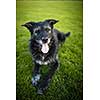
[35,79]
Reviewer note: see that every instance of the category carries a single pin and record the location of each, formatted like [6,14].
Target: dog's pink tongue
[45,48]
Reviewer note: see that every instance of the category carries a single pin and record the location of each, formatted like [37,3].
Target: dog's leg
[36,74]
[44,84]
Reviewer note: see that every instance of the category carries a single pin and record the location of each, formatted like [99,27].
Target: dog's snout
[44,40]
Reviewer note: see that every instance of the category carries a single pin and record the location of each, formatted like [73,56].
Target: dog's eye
[35,34]
[37,31]
[47,29]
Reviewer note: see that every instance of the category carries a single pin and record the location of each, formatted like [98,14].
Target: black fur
[42,31]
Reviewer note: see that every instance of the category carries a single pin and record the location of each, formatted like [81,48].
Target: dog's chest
[43,60]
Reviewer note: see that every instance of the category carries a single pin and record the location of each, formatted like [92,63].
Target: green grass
[67,82]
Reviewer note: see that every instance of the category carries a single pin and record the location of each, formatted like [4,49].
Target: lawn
[67,83]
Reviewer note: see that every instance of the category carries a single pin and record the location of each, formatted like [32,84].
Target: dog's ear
[52,21]
[29,25]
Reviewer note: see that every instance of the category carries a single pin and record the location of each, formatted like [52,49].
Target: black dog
[44,45]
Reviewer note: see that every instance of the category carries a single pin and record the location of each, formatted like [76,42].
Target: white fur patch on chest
[42,63]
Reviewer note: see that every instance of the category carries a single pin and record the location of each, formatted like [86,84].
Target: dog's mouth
[45,45]
[45,48]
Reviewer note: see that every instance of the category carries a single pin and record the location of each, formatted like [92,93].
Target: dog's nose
[44,40]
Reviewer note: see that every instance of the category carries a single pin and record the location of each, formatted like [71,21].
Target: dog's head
[41,32]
